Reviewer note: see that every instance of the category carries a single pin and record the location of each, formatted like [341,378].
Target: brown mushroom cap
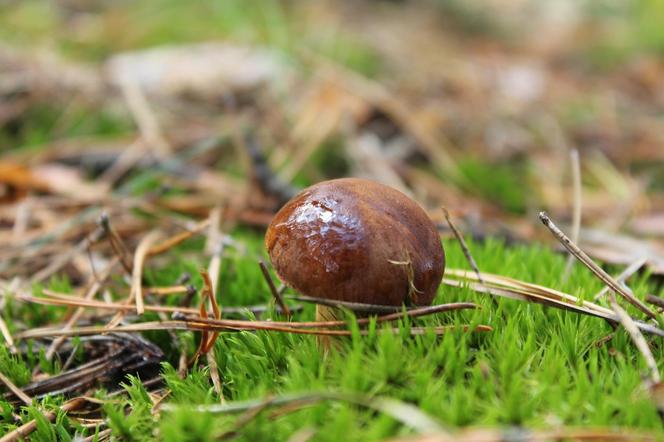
[336,240]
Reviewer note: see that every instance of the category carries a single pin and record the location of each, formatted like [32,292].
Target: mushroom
[359,241]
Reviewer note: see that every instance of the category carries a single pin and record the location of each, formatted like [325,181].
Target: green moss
[503,184]
[538,366]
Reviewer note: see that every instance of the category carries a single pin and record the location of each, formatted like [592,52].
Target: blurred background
[480,107]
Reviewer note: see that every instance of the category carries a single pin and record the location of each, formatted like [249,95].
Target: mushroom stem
[327,313]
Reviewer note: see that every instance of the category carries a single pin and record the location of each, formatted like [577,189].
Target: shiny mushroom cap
[357,240]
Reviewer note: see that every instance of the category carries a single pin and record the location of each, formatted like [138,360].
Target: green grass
[538,368]
[120,27]
[504,184]
[98,34]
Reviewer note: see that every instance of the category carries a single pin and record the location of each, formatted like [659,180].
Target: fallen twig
[90,293]
[27,400]
[137,272]
[414,312]
[523,291]
[24,430]
[4,330]
[64,258]
[576,212]
[637,337]
[201,326]
[594,268]
[655,300]
[177,239]
[624,276]
[273,289]
[464,246]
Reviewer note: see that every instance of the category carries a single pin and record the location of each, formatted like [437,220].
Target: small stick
[464,246]
[177,239]
[143,247]
[7,335]
[624,276]
[102,435]
[637,337]
[116,242]
[64,258]
[273,289]
[213,234]
[655,300]
[21,219]
[24,430]
[576,211]
[208,347]
[171,290]
[70,359]
[137,272]
[214,268]
[352,306]
[412,313]
[215,245]
[27,400]
[523,295]
[192,325]
[92,291]
[469,258]
[145,119]
[594,268]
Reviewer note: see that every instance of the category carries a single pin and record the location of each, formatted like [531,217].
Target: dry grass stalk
[65,300]
[24,430]
[594,268]
[523,291]
[655,300]
[165,291]
[624,276]
[576,211]
[62,260]
[525,435]
[208,347]
[4,330]
[464,246]
[413,313]
[141,253]
[55,298]
[116,242]
[89,294]
[467,254]
[27,400]
[146,120]
[195,325]
[356,307]
[177,239]
[273,289]
[637,337]
[99,437]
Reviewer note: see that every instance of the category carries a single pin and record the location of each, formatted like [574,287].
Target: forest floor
[145,146]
